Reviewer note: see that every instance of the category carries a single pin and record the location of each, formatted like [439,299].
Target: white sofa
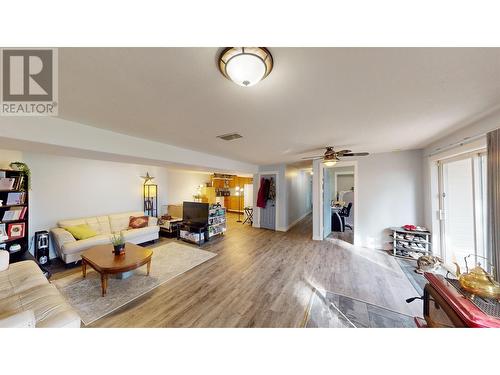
[27,299]
[70,249]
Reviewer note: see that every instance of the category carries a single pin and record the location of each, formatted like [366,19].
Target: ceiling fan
[331,157]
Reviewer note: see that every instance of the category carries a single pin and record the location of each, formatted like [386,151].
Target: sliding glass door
[463,208]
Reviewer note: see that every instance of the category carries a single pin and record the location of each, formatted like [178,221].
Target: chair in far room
[344,213]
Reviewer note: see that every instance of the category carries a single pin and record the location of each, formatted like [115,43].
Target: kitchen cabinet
[218,183]
[232,203]
[208,194]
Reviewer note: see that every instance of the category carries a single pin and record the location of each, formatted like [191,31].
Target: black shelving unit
[150,197]
[202,233]
[23,252]
[216,221]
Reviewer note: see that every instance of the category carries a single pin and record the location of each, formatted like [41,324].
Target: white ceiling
[370,99]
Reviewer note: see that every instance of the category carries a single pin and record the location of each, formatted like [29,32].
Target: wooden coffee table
[102,259]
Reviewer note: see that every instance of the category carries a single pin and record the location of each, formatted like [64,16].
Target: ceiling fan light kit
[331,157]
[329,163]
[246,66]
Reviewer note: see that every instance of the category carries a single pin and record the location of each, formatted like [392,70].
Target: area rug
[169,261]
[331,310]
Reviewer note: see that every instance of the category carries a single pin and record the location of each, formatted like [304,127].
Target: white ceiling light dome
[246,66]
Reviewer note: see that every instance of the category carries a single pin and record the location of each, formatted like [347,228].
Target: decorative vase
[119,249]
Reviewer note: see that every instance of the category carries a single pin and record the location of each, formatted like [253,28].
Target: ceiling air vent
[229,137]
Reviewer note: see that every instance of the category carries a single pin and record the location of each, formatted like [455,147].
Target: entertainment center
[201,221]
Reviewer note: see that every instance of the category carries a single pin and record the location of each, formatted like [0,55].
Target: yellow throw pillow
[81,232]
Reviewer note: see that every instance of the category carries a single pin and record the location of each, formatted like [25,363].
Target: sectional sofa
[27,299]
[70,249]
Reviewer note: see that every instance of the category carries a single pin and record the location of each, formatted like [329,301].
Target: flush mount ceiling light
[245,66]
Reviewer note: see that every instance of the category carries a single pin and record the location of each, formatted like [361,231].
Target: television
[195,213]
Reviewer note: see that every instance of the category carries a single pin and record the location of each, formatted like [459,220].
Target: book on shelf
[23,212]
[8,215]
[19,182]
[16,230]
[15,198]
[7,183]
[3,233]
[15,213]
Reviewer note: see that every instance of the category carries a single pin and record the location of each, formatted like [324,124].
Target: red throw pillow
[136,222]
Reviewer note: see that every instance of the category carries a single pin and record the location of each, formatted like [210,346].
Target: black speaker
[42,247]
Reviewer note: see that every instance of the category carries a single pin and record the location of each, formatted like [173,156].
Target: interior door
[463,208]
[268,214]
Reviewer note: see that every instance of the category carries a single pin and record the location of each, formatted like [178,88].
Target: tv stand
[193,232]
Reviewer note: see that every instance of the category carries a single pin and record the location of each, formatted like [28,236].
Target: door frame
[474,157]
[318,180]
[256,222]
[432,214]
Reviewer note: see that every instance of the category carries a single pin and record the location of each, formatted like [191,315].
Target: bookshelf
[14,214]
[216,221]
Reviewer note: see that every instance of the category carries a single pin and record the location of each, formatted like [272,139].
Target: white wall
[341,170]
[8,156]
[298,190]
[65,188]
[248,195]
[389,193]
[345,182]
[182,185]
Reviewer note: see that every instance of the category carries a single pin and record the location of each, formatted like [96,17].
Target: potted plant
[22,167]
[118,242]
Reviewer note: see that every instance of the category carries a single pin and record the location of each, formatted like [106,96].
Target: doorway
[462,208]
[267,214]
[338,203]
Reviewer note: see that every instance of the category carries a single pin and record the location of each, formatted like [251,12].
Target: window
[463,207]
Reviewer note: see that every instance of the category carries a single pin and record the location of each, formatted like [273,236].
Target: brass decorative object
[147,178]
[478,281]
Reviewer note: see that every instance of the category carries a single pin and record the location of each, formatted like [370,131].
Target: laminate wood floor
[262,278]
[347,236]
